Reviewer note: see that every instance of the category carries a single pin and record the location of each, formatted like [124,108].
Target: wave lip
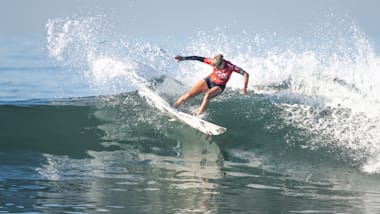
[327,93]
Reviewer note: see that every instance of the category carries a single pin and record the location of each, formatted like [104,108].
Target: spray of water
[329,81]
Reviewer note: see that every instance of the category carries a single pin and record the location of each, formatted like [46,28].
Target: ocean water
[76,136]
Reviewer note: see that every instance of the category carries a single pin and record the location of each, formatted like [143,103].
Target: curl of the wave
[327,84]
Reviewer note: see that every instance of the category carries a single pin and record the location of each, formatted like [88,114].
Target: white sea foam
[330,81]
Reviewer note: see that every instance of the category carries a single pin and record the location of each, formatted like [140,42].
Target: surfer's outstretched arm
[181,58]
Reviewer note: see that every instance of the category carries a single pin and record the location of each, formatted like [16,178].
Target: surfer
[215,83]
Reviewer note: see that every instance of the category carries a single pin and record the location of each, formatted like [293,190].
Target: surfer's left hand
[243,91]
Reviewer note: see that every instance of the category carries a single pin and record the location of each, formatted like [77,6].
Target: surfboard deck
[203,126]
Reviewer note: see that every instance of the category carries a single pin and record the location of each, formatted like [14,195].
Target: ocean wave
[259,123]
[315,94]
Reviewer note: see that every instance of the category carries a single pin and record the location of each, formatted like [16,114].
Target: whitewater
[328,88]
[80,116]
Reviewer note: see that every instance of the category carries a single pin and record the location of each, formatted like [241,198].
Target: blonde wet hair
[217,60]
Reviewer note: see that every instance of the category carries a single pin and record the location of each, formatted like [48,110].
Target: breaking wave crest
[326,87]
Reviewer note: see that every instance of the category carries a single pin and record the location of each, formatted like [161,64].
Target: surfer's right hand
[178,58]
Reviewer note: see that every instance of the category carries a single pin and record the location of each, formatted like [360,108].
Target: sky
[173,18]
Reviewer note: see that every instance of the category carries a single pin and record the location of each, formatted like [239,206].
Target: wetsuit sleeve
[199,58]
[237,69]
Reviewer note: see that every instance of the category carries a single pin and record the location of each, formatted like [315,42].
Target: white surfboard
[199,124]
[205,127]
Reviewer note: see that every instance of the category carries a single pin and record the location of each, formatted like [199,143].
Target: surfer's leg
[198,88]
[213,92]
